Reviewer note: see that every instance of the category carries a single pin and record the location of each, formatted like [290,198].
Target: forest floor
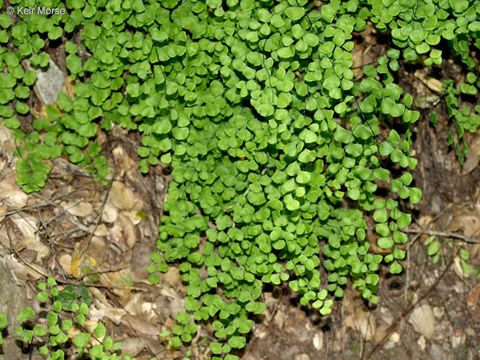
[81,232]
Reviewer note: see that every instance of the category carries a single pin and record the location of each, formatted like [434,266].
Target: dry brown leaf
[457,267]
[74,331]
[133,216]
[97,248]
[318,341]
[120,281]
[65,261]
[10,192]
[7,142]
[3,210]
[115,236]
[363,322]
[473,156]
[465,221]
[356,317]
[432,83]
[134,306]
[421,342]
[4,240]
[26,224]
[133,345]
[424,220]
[90,325]
[121,196]
[38,247]
[140,326]
[109,214]
[81,209]
[474,295]
[173,277]
[24,272]
[126,164]
[128,229]
[68,87]
[100,230]
[79,258]
[100,311]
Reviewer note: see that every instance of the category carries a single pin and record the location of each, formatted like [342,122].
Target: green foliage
[261,160]
[438,247]
[60,311]
[3,325]
[273,143]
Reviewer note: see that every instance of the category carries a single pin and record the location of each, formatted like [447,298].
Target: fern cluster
[274,145]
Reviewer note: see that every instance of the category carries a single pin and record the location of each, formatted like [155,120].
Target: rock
[302,357]
[438,312]
[423,320]
[392,341]
[280,318]
[385,315]
[49,83]
[318,341]
[12,301]
[395,337]
[421,342]
[438,353]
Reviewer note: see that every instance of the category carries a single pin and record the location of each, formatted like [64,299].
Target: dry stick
[411,243]
[407,310]
[444,234]
[66,281]
[64,211]
[18,254]
[16,211]
[99,216]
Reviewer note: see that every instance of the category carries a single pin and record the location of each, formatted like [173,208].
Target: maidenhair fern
[279,154]
[278,141]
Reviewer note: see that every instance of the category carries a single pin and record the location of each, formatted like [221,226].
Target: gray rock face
[49,83]
[12,300]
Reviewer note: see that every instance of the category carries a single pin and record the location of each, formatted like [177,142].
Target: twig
[411,243]
[99,216]
[64,211]
[407,310]
[16,211]
[444,234]
[18,254]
